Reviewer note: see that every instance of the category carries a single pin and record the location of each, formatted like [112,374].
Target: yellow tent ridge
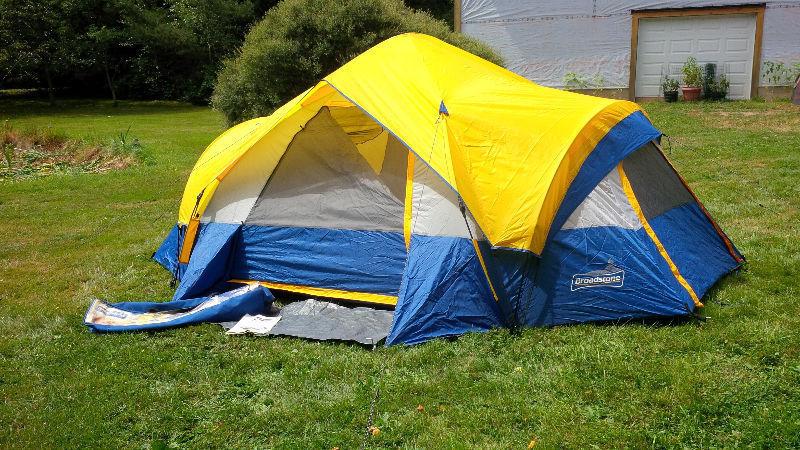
[508,147]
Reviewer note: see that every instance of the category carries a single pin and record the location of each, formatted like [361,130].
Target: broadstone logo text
[611,276]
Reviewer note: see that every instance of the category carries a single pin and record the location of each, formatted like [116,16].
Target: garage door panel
[739,68]
[653,48]
[680,47]
[675,69]
[741,23]
[682,26]
[708,26]
[652,69]
[664,44]
[652,78]
[708,45]
[737,45]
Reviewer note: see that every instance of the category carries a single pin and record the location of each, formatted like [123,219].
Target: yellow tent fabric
[509,147]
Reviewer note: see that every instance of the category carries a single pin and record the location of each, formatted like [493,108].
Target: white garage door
[665,43]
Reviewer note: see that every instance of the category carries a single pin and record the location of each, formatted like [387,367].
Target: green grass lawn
[729,381]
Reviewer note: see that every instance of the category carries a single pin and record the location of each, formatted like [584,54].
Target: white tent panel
[434,207]
[238,191]
[607,205]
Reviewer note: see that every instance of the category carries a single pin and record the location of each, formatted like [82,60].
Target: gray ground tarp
[313,319]
[323,321]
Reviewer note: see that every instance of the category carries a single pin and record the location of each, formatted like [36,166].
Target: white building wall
[544,40]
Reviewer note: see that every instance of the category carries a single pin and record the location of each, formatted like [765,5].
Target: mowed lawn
[732,380]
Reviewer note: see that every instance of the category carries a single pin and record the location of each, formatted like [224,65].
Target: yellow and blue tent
[424,178]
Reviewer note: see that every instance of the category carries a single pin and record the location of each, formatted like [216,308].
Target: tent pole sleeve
[485,270]
[191,231]
[408,200]
[463,209]
[188,240]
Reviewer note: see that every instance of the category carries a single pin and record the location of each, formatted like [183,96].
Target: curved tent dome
[508,146]
[421,177]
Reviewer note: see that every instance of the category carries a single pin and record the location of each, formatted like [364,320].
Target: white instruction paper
[257,324]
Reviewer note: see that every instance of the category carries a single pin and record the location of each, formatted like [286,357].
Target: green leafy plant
[123,143]
[692,74]
[669,84]
[723,84]
[714,88]
[778,73]
[574,80]
[8,155]
[669,87]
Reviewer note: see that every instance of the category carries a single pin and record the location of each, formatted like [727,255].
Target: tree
[134,48]
[102,41]
[174,49]
[38,43]
[219,26]
[440,9]
[300,41]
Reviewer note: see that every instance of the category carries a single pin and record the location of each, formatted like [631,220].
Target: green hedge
[298,42]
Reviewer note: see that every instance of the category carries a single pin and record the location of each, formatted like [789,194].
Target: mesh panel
[656,185]
[323,181]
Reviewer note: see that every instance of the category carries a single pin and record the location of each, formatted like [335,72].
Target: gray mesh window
[656,185]
[324,181]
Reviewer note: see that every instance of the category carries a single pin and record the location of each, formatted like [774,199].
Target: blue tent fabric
[141,316]
[623,139]
[694,245]
[167,253]
[444,292]
[210,260]
[639,282]
[512,274]
[351,260]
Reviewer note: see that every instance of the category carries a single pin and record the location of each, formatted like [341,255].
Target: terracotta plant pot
[690,94]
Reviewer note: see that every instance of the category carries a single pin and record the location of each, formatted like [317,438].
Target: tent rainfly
[423,178]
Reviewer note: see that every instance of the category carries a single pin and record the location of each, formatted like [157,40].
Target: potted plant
[714,88]
[670,88]
[692,79]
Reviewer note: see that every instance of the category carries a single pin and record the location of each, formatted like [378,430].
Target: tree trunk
[110,85]
[50,95]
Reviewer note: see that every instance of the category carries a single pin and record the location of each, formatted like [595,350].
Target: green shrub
[300,41]
[669,84]
[714,88]
[778,73]
[692,74]
[574,80]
